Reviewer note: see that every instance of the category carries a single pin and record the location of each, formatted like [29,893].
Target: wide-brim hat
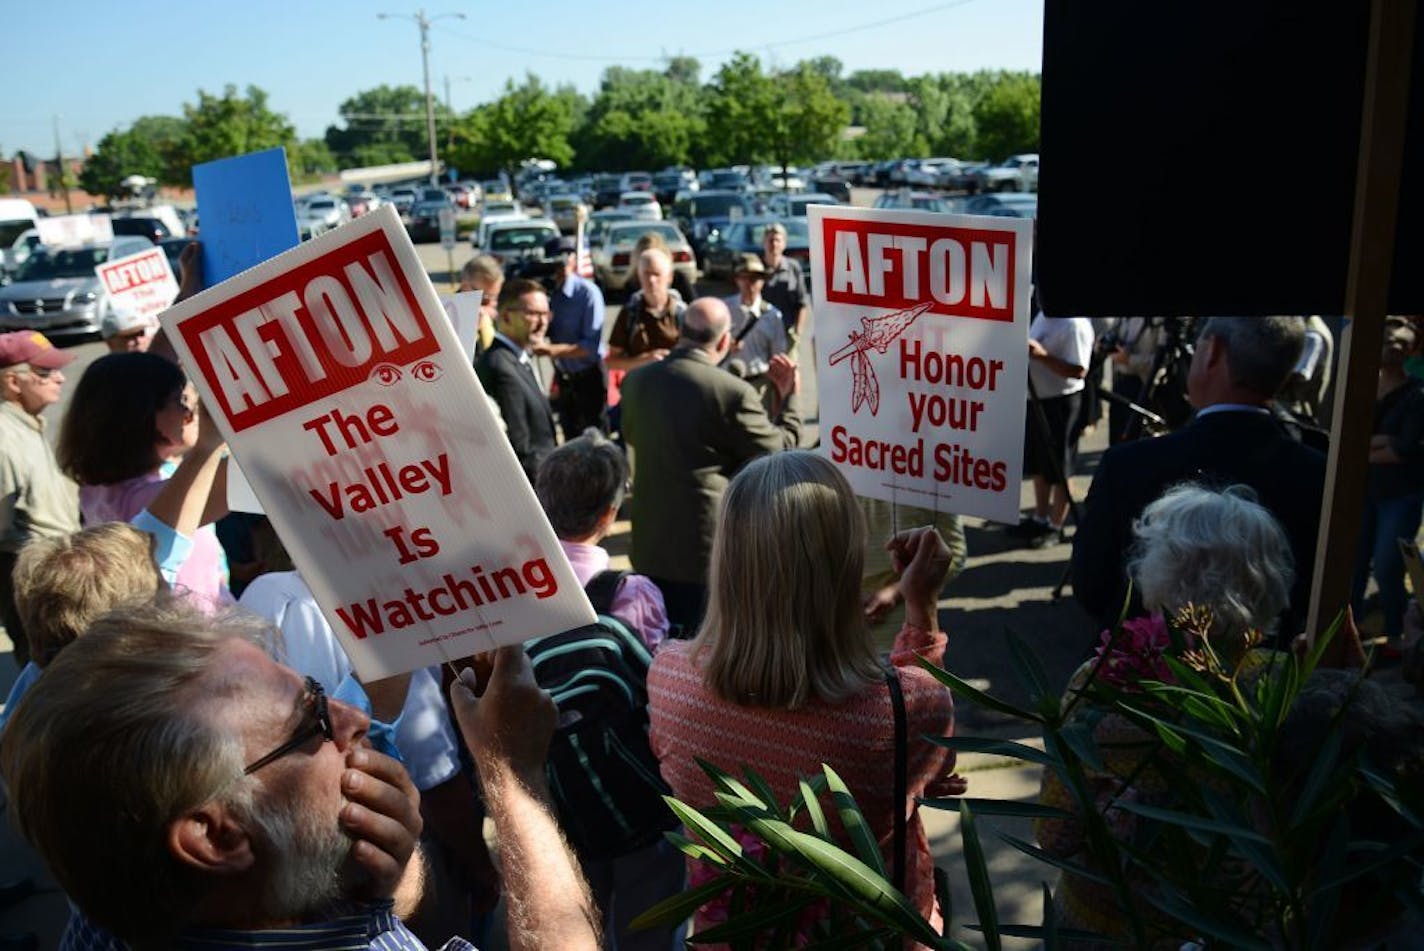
[752,266]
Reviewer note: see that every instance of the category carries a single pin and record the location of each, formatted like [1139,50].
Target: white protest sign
[69,231]
[142,283]
[240,497]
[343,394]
[922,354]
[463,309]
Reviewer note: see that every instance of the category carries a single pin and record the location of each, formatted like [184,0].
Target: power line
[588,57]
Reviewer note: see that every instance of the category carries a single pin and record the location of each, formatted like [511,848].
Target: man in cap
[574,343]
[124,331]
[36,500]
[758,333]
[785,283]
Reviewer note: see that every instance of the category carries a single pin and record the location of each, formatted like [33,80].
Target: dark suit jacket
[1218,449]
[528,421]
[691,426]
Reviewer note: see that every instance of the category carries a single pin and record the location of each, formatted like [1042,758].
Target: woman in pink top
[130,414]
[783,675]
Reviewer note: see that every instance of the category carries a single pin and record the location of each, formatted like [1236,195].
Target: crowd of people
[190,751]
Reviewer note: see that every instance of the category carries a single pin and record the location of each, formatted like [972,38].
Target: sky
[99,64]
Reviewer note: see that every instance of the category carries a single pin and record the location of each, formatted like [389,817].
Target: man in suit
[507,373]
[692,426]
[1238,367]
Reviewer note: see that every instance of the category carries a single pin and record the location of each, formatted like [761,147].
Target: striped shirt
[856,738]
[377,929]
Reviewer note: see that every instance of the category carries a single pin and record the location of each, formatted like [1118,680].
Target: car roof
[512,223]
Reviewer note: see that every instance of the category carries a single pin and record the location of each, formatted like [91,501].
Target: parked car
[496,189]
[514,243]
[641,205]
[1010,205]
[142,226]
[404,199]
[725,249]
[636,182]
[666,185]
[606,190]
[18,252]
[424,223]
[494,212]
[913,200]
[17,219]
[57,292]
[728,179]
[931,172]
[330,210]
[173,250]
[600,221]
[614,267]
[564,211]
[708,212]
[794,206]
[1017,173]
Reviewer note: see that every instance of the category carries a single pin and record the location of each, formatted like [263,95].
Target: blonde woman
[783,676]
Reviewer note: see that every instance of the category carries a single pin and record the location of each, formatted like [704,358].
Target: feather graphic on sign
[876,333]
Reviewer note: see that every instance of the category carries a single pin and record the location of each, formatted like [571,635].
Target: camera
[548,273]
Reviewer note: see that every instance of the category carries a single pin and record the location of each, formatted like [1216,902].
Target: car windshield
[727,180]
[321,205]
[499,207]
[519,239]
[50,263]
[715,205]
[929,204]
[434,194]
[10,230]
[626,236]
[796,231]
[494,186]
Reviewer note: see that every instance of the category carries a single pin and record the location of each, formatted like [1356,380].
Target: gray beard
[306,855]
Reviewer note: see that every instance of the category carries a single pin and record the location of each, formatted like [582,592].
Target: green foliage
[642,119]
[809,118]
[785,884]
[385,123]
[310,159]
[526,121]
[741,108]
[117,156]
[1007,117]
[889,130]
[231,124]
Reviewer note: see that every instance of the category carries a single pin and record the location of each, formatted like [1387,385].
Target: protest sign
[463,309]
[245,205]
[921,322]
[141,284]
[72,231]
[343,394]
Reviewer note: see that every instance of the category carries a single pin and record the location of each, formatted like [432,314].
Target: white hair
[1219,550]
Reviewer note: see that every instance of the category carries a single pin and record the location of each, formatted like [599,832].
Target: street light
[423,22]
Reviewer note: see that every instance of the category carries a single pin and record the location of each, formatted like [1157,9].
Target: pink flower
[1137,654]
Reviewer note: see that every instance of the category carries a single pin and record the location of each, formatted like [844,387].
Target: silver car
[613,264]
[57,292]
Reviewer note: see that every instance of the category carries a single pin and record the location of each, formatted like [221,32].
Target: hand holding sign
[922,559]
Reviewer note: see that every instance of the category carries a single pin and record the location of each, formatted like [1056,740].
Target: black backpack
[602,774]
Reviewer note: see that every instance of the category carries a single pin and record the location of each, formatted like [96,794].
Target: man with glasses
[36,499]
[186,790]
[507,373]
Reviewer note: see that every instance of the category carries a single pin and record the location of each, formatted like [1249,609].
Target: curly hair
[1216,549]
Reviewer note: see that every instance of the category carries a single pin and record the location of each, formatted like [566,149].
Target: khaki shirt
[36,499]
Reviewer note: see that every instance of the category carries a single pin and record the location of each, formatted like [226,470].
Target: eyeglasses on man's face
[321,725]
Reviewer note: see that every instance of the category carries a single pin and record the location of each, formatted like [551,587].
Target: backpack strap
[897,701]
[602,588]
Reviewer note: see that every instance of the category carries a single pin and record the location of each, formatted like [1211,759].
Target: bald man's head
[706,323]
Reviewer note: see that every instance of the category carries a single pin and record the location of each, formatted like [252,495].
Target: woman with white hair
[783,675]
[1217,551]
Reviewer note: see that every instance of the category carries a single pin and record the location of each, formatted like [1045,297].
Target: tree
[151,147]
[877,80]
[640,119]
[310,159]
[387,123]
[1008,116]
[684,69]
[526,121]
[118,155]
[809,118]
[742,109]
[889,129]
[227,125]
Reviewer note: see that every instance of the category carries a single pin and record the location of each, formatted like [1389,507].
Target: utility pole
[423,22]
[59,161]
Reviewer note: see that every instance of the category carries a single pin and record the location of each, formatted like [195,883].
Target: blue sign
[245,212]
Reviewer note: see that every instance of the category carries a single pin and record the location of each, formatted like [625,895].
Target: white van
[16,217]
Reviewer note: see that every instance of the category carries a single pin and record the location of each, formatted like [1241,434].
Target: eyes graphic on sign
[426,371]
[386,374]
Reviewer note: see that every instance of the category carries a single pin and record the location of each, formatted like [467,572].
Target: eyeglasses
[322,726]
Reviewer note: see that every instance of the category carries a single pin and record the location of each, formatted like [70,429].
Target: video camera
[548,273]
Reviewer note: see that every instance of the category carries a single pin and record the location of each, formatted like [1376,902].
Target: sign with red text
[141,284]
[337,379]
[921,323]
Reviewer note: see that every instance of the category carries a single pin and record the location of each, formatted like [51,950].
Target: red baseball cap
[32,347]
